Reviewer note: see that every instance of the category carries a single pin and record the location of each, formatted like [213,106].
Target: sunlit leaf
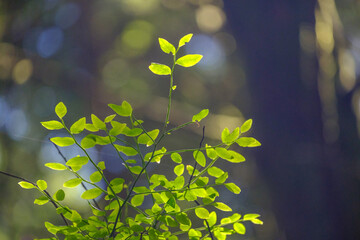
[222,206]
[222,178]
[59,195]
[215,172]
[148,138]
[248,142]
[60,110]
[159,69]
[185,39]
[88,141]
[227,137]
[78,126]
[212,219]
[72,183]
[26,185]
[91,194]
[210,152]
[63,141]
[239,228]
[41,184]
[176,157]
[202,213]
[97,122]
[41,200]
[56,166]
[77,161]
[246,126]
[183,218]
[117,184]
[166,47]
[52,125]
[128,151]
[109,118]
[233,188]
[124,110]
[200,158]
[137,200]
[189,60]
[201,115]
[136,169]
[179,169]
[95,177]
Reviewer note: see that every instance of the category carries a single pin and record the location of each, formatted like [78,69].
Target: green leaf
[210,152]
[90,127]
[201,115]
[137,200]
[72,183]
[199,192]
[88,141]
[166,47]
[128,151]
[140,189]
[117,184]
[56,166]
[97,122]
[239,228]
[179,182]
[215,172]
[248,142]
[235,157]
[59,195]
[202,213]
[250,216]
[233,188]
[223,153]
[194,234]
[227,137]
[75,216]
[189,60]
[159,69]
[132,132]
[212,219]
[78,126]
[156,208]
[179,169]
[185,39]
[222,206]
[125,110]
[60,110]
[52,125]
[199,158]
[222,178]
[183,218]
[101,165]
[148,138]
[190,170]
[176,157]
[77,161]
[63,141]
[26,185]
[41,184]
[95,177]
[109,118]
[246,126]
[41,200]
[136,169]
[91,194]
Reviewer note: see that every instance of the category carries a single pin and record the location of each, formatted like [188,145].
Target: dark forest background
[292,66]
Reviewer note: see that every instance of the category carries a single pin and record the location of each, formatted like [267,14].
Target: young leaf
[179,169]
[136,169]
[246,126]
[91,194]
[248,142]
[101,165]
[72,183]
[52,125]
[88,141]
[109,118]
[176,157]
[137,200]
[26,185]
[201,115]
[128,151]
[235,157]
[212,219]
[97,122]
[77,161]
[41,200]
[78,126]
[160,69]
[222,178]
[117,184]
[233,188]
[56,166]
[228,137]
[60,110]
[183,218]
[200,158]
[41,184]
[215,172]
[239,228]
[166,47]
[189,60]
[185,39]
[210,152]
[59,195]
[148,138]
[202,213]
[222,206]
[95,177]
[63,141]
[125,110]
[133,132]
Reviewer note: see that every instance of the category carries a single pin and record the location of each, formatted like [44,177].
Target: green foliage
[172,205]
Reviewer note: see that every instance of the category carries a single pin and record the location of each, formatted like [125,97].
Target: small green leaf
[176,157]
[222,178]
[179,169]
[148,138]
[223,153]
[137,200]
[194,234]
[246,126]
[77,161]
[201,115]
[228,137]
[59,195]
[125,110]
[128,151]
[132,132]
[75,216]
[78,126]
[90,127]
[199,158]
[101,165]
[26,185]
[250,216]
[160,69]
[233,188]
[248,142]
[202,213]
[41,184]
[72,183]
[239,228]
[212,219]
[41,200]
[117,184]
[56,166]
[136,169]
[88,141]
[166,47]
[235,157]
[63,141]
[109,118]
[60,110]
[215,172]
[95,177]
[183,218]
[52,125]
[141,189]
[185,39]
[222,206]
[91,194]
[210,152]
[189,60]
[97,122]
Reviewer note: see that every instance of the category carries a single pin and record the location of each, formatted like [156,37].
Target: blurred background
[292,66]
